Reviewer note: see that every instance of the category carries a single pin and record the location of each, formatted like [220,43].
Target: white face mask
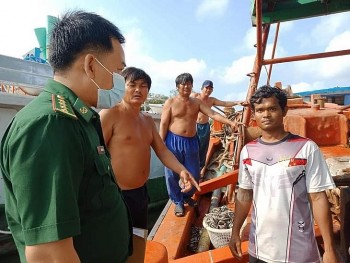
[108,98]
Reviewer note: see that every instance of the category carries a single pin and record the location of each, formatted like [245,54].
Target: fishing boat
[323,121]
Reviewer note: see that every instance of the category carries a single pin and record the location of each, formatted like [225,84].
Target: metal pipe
[273,51]
[204,240]
[258,13]
[218,109]
[307,57]
[255,75]
[253,85]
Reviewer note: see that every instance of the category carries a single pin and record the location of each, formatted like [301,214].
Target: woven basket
[221,237]
[218,237]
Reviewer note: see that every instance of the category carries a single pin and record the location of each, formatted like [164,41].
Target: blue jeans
[203,133]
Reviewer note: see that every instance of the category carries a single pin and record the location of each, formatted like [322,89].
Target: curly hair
[267,91]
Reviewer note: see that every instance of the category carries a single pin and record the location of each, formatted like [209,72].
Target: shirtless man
[203,126]
[129,134]
[178,130]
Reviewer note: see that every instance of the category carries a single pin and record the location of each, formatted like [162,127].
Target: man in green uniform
[62,201]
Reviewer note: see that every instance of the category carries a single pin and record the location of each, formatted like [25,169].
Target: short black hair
[267,91]
[80,31]
[133,74]
[183,78]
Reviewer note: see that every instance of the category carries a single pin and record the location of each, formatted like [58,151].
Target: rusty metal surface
[327,127]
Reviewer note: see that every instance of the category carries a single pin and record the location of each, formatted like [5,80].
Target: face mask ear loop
[95,84]
[103,66]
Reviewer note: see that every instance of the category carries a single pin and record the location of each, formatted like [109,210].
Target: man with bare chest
[129,135]
[178,130]
[203,126]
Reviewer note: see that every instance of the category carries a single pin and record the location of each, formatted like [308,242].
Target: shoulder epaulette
[61,105]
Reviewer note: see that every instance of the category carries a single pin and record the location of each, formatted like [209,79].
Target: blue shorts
[186,150]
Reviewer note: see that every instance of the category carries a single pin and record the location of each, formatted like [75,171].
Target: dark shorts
[137,202]
[255,260]
[203,133]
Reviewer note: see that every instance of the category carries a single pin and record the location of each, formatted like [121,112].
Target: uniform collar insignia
[83,110]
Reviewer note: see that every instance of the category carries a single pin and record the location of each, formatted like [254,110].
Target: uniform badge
[59,104]
[83,110]
[101,149]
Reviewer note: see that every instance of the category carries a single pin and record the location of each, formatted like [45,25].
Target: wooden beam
[218,182]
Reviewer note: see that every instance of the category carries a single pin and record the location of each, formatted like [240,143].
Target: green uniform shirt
[58,179]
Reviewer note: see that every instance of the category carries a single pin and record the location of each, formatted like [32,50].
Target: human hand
[187,181]
[330,256]
[244,103]
[235,246]
[235,124]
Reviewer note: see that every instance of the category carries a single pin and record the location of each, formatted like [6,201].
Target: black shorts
[255,260]
[137,202]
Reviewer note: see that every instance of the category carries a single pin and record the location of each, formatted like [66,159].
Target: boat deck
[174,234]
